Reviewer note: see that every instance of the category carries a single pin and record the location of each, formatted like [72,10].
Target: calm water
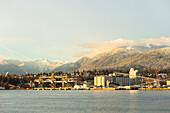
[14,101]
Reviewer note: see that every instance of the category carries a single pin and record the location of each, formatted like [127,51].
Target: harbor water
[84,101]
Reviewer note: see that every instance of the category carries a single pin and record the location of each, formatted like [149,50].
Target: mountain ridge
[35,67]
[140,57]
[116,58]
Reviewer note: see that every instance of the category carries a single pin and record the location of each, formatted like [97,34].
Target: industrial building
[168,82]
[117,80]
[54,82]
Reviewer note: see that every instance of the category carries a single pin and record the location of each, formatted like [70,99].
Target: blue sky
[57,29]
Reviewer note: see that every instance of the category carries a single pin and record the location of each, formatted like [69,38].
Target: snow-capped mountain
[36,66]
[139,57]
[143,57]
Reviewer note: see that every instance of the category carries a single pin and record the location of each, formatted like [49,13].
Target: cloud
[81,54]
[158,41]
[98,48]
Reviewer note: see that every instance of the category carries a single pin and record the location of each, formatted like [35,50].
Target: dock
[61,88]
[154,89]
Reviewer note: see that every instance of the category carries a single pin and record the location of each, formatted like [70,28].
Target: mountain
[71,66]
[113,58]
[11,68]
[159,59]
[141,57]
[23,67]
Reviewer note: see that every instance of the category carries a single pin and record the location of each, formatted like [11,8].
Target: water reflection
[132,92]
[133,100]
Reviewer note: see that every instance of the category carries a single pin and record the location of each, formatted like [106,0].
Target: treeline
[15,80]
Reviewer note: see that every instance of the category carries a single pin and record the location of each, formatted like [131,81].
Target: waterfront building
[111,81]
[162,75]
[118,74]
[117,79]
[99,81]
[54,81]
[133,73]
[168,82]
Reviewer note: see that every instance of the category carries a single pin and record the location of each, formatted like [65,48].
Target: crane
[149,83]
[157,78]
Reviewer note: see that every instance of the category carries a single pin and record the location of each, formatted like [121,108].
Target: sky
[70,29]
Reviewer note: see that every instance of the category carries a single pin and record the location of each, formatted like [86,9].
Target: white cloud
[97,48]
[158,41]
[81,54]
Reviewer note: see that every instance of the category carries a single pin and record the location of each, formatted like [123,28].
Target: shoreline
[41,89]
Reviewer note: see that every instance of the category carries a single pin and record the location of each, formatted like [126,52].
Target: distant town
[89,80]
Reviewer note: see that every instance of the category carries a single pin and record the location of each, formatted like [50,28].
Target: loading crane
[159,85]
[149,83]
